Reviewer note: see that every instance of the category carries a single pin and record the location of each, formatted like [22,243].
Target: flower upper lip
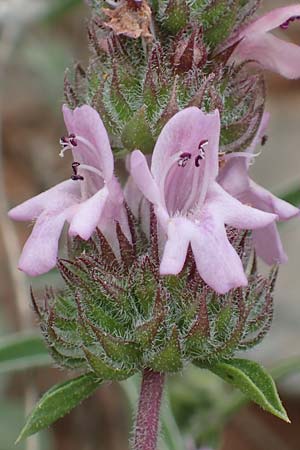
[254,42]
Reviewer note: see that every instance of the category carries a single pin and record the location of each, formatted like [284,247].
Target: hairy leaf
[57,402]
[253,380]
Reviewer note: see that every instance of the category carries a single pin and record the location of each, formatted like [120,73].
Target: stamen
[198,159]
[92,169]
[201,148]
[186,156]
[71,141]
[183,159]
[75,176]
[285,25]
[203,144]
[67,143]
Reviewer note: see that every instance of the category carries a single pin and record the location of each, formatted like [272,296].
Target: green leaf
[57,402]
[22,351]
[253,380]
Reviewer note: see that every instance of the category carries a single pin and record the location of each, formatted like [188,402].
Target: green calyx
[117,317]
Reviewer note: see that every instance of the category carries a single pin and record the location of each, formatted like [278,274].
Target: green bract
[116,318]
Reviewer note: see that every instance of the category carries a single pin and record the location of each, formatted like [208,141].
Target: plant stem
[147,422]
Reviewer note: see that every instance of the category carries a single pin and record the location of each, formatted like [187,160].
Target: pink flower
[256,43]
[235,180]
[191,207]
[91,198]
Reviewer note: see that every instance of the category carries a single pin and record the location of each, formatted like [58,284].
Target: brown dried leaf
[131,19]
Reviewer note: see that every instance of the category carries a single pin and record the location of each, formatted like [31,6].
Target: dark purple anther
[202,143]
[198,160]
[68,141]
[75,176]
[264,140]
[201,149]
[73,142]
[184,158]
[285,25]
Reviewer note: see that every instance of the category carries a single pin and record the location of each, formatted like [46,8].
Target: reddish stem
[147,421]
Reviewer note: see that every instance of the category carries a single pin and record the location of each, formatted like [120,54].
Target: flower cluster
[179,87]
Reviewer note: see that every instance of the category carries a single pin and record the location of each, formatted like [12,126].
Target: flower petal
[272,53]
[174,254]
[271,20]
[142,176]
[183,133]
[55,199]
[235,213]
[233,177]
[39,254]
[217,262]
[268,245]
[86,122]
[263,199]
[88,215]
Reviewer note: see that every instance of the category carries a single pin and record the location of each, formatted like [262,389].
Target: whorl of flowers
[162,271]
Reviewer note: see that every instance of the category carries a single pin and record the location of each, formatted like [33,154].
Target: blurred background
[38,40]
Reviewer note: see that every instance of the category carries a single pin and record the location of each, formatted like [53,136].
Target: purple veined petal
[55,199]
[272,53]
[85,122]
[39,254]
[263,199]
[88,215]
[268,245]
[271,20]
[235,213]
[183,133]
[143,178]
